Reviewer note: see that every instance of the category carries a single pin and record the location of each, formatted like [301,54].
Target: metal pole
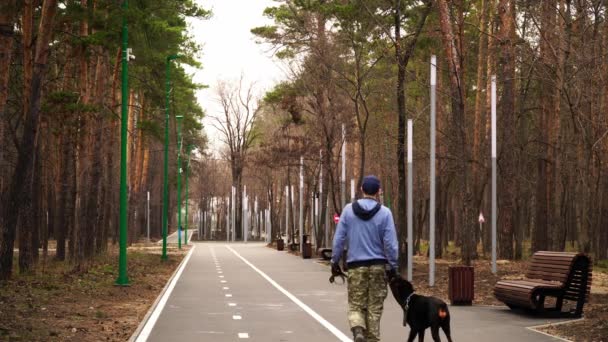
[179,181]
[301,213]
[186,215]
[494,208]
[352,190]
[313,213]
[233,213]
[287,210]
[148,216]
[321,194]
[228,216]
[256,224]
[432,175]
[410,197]
[244,227]
[166,155]
[267,225]
[327,242]
[123,279]
[343,176]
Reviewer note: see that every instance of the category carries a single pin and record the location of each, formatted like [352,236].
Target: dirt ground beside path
[60,304]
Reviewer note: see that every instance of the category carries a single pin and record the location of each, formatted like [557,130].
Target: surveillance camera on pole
[130,55]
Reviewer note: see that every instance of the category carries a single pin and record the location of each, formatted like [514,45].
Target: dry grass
[61,304]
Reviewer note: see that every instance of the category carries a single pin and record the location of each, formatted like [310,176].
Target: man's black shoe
[358,334]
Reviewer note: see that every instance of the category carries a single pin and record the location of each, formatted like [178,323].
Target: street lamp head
[172,57]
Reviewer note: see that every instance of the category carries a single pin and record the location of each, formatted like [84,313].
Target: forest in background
[366,64]
[60,122]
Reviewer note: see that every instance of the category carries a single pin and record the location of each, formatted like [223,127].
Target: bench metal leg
[541,303]
[560,303]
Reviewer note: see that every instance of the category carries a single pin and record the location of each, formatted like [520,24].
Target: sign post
[343,176]
[432,175]
[481,220]
[410,198]
[494,209]
[301,211]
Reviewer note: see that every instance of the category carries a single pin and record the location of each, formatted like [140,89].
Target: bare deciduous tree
[236,124]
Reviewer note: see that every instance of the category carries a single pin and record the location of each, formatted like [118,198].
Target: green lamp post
[166,162]
[123,279]
[179,180]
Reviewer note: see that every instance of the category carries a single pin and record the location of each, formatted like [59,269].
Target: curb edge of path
[536,327]
[144,321]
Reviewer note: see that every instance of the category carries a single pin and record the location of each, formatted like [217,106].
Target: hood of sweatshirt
[363,213]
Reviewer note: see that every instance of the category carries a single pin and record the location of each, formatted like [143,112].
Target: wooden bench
[564,276]
[325,253]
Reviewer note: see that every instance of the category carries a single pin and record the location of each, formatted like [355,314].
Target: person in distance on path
[369,229]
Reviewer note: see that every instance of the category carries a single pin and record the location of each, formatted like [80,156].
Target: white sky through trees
[229,50]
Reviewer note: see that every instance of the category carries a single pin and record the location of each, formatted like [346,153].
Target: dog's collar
[407,301]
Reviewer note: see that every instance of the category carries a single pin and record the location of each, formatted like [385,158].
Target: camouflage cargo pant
[366,293]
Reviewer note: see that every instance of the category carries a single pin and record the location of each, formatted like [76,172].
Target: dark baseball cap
[370,185]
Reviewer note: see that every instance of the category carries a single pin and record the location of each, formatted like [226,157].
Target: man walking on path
[369,229]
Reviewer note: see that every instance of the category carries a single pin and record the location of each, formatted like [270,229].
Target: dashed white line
[339,334]
[226,288]
[222,281]
[228,295]
[243,335]
[231,304]
[236,317]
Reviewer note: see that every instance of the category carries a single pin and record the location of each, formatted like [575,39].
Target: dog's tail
[443,311]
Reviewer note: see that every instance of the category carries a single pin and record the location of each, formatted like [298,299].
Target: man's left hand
[391,274]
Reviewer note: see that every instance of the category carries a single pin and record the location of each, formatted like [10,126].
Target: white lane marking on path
[226,288]
[222,281]
[243,335]
[228,295]
[221,276]
[145,332]
[236,317]
[231,304]
[339,334]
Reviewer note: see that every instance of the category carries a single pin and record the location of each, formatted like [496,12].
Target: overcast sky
[229,50]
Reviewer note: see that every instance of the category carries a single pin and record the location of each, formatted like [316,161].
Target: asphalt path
[173,238]
[233,292]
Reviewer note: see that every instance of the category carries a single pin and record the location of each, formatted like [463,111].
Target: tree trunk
[8,15]
[508,157]
[25,159]
[460,149]
[402,58]
[544,187]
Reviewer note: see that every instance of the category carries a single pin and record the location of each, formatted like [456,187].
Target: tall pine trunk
[19,196]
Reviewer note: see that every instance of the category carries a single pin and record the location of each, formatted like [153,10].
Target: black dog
[421,312]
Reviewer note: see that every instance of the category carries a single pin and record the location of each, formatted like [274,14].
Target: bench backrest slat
[551,266]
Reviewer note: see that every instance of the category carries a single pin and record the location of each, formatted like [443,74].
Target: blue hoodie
[370,233]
